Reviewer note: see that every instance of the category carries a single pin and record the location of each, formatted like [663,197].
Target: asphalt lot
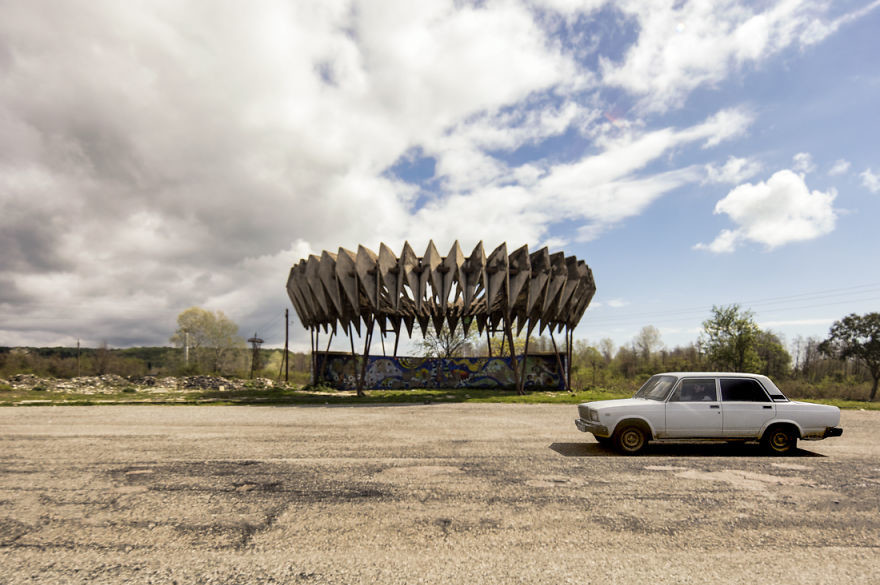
[459,493]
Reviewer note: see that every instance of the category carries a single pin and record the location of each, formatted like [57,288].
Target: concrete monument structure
[497,292]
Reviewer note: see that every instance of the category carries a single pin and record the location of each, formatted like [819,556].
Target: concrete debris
[113,384]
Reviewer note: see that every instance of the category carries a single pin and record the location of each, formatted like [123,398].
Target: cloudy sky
[156,155]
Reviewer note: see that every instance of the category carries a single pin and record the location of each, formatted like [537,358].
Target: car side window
[742,390]
[695,390]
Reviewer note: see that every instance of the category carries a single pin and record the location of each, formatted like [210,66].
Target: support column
[368,337]
[560,368]
[513,361]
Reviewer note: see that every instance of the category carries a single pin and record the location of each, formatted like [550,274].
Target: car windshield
[656,388]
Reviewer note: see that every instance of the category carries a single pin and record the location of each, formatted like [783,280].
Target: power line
[759,304]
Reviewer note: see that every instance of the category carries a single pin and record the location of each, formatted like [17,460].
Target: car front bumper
[587,426]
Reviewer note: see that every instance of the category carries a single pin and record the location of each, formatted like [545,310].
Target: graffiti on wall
[394,373]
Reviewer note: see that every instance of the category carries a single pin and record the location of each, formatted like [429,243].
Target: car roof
[712,374]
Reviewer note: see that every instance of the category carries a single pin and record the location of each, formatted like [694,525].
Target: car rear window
[742,390]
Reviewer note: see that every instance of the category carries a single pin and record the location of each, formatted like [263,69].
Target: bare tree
[102,359]
[647,341]
[447,343]
[606,348]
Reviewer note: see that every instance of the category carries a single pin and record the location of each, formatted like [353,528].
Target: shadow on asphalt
[713,449]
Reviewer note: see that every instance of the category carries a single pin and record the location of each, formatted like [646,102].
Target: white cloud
[817,30]
[734,170]
[776,212]
[685,45]
[161,155]
[196,140]
[840,167]
[803,162]
[725,242]
[870,181]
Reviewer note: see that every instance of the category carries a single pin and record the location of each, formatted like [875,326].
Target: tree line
[845,364]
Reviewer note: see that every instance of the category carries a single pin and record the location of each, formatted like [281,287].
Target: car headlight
[594,415]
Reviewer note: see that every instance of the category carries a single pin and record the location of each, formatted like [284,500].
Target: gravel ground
[460,493]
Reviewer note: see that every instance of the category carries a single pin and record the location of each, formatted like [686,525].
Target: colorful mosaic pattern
[389,373]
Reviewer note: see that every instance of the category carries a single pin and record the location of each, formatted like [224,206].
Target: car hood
[603,404]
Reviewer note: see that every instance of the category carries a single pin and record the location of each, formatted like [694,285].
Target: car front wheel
[603,441]
[631,439]
[779,440]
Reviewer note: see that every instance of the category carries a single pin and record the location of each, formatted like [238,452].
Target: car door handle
[768,407]
[714,406]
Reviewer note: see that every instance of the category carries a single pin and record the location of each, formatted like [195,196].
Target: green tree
[775,359]
[586,361]
[730,339]
[858,337]
[211,340]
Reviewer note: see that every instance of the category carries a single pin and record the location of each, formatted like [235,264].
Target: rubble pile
[113,384]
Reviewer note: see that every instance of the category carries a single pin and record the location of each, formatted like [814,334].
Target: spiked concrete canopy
[538,288]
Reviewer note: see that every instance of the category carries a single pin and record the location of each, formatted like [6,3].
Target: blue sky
[156,157]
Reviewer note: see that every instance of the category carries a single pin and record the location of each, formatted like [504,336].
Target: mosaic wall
[338,370]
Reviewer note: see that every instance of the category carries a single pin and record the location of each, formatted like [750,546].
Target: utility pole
[255,359]
[77,359]
[186,348]
[286,336]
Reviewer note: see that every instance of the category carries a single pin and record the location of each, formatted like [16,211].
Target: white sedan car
[702,405]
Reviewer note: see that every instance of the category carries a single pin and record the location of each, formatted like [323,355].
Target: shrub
[827,388]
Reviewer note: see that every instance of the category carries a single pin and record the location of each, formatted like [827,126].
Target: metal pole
[368,335]
[312,360]
[286,350]
[324,357]
[522,377]
[513,362]
[568,342]
[315,353]
[559,362]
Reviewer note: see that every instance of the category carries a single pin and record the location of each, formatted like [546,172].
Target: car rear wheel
[780,440]
[631,439]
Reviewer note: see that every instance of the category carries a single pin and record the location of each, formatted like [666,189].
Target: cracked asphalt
[458,493]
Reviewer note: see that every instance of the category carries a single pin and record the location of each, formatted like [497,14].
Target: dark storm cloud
[31,244]
[10,293]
